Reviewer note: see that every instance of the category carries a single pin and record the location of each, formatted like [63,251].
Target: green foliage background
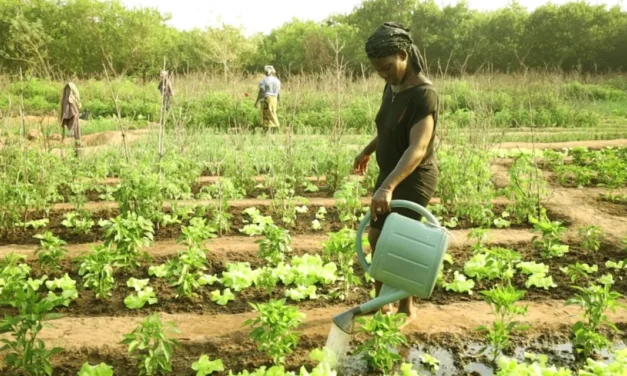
[79,37]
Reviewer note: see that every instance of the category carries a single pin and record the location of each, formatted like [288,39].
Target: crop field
[209,250]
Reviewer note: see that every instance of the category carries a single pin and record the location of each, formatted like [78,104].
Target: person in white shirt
[269,89]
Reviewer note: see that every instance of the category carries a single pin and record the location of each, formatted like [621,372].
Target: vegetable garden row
[144,265]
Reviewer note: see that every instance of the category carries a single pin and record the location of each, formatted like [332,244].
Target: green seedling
[97,271]
[591,237]
[384,336]
[275,244]
[101,369]
[197,233]
[23,351]
[348,201]
[144,294]
[549,242]
[273,328]
[204,366]
[502,301]
[150,344]
[340,249]
[79,222]
[127,235]
[50,251]
[430,362]
[222,298]
[596,301]
[577,271]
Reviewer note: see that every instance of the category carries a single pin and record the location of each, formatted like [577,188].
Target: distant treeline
[61,38]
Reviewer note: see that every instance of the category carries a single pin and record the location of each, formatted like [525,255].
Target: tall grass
[309,101]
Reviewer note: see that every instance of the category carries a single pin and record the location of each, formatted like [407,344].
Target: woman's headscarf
[73,96]
[269,69]
[392,38]
[164,74]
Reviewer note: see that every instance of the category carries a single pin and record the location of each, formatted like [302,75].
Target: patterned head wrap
[269,69]
[74,96]
[392,38]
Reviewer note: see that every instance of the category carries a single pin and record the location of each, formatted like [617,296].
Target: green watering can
[407,261]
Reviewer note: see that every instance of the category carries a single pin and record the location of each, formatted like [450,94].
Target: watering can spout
[388,295]
[346,319]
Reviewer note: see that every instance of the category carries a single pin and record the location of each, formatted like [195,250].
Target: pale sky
[189,14]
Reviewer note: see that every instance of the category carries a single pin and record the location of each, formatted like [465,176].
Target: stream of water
[337,343]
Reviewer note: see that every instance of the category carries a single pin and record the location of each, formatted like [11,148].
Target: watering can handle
[394,204]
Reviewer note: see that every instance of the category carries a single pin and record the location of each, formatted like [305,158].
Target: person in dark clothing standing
[406,125]
[165,88]
[70,115]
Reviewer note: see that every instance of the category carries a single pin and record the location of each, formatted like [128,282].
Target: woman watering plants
[269,89]
[406,125]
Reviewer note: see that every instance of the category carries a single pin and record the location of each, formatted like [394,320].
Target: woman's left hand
[380,203]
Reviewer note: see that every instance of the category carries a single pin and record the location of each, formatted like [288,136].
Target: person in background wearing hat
[165,88]
[269,89]
[406,125]
[70,107]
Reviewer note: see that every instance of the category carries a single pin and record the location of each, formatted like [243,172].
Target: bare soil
[92,330]
[222,336]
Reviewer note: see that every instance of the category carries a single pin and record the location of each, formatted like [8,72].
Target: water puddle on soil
[470,361]
[445,357]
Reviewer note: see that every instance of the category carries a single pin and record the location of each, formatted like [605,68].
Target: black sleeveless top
[397,115]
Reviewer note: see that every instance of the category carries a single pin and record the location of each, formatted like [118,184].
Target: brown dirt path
[580,206]
[229,245]
[237,204]
[592,144]
[461,318]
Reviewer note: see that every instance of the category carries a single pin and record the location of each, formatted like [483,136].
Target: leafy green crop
[145,294]
[576,271]
[222,298]
[340,249]
[549,244]
[273,328]
[67,285]
[257,223]
[50,250]
[128,234]
[275,244]
[348,200]
[460,284]
[385,336]
[150,344]
[595,300]
[197,233]
[302,292]
[493,263]
[502,301]
[432,363]
[591,237]
[509,367]
[79,222]
[97,270]
[101,369]
[24,352]
[239,276]
[204,366]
